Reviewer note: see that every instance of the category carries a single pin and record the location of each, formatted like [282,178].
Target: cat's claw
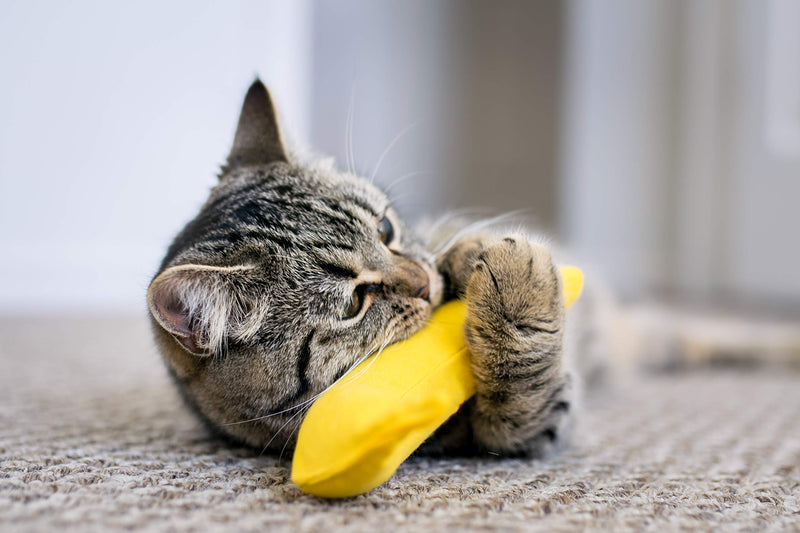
[516,285]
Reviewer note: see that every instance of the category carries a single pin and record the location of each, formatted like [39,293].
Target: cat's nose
[412,280]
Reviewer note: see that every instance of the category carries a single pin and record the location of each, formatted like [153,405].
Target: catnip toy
[359,431]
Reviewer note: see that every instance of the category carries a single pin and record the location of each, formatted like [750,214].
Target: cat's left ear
[258,137]
[202,306]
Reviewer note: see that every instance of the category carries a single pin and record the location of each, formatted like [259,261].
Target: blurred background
[659,140]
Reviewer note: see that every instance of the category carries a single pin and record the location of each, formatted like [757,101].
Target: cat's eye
[385,231]
[358,298]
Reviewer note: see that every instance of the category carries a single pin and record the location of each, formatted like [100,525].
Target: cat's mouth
[418,312]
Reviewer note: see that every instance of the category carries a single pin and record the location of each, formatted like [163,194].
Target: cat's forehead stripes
[318,197]
[338,270]
[354,200]
[289,215]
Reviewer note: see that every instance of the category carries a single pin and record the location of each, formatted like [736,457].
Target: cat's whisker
[293,430]
[432,229]
[356,376]
[374,351]
[304,406]
[450,215]
[383,346]
[386,343]
[388,189]
[348,141]
[478,225]
[266,446]
[396,198]
[389,148]
[313,398]
[292,408]
[437,327]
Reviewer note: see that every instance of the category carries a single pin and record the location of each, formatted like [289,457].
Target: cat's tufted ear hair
[258,137]
[203,307]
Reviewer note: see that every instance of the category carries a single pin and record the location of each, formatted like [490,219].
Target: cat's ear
[202,306]
[258,137]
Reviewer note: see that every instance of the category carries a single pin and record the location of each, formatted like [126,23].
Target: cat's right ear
[203,306]
[258,137]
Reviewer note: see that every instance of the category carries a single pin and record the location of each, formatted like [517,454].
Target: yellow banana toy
[360,430]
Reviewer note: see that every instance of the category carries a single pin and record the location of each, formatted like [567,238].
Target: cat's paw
[514,296]
[457,264]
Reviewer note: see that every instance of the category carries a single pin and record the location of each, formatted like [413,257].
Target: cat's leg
[457,264]
[514,329]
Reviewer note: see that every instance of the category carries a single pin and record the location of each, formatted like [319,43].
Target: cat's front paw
[514,296]
[514,332]
[457,264]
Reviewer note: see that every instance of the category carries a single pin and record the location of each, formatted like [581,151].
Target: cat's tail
[610,341]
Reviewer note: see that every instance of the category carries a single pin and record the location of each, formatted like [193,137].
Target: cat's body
[291,274]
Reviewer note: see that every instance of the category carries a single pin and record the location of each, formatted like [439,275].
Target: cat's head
[287,277]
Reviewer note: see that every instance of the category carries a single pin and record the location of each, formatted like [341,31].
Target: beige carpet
[92,437]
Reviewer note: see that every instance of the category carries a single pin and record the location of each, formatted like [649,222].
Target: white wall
[385,65]
[681,148]
[474,86]
[763,249]
[115,117]
[617,140]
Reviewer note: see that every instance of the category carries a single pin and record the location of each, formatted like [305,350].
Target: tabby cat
[292,273]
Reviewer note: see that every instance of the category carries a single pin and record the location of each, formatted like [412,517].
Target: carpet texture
[92,437]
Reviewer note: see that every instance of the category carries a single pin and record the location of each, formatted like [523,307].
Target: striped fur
[252,304]
[514,329]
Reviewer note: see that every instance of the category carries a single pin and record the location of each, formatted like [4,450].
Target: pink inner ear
[174,313]
[175,317]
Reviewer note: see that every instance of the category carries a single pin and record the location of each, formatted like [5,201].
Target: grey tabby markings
[292,273]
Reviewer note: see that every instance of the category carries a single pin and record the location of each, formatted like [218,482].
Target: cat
[294,272]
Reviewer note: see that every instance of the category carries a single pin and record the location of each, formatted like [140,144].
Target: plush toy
[359,431]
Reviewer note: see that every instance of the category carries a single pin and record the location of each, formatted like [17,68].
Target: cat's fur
[251,304]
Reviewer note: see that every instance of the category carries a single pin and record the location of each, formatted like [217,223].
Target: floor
[92,437]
